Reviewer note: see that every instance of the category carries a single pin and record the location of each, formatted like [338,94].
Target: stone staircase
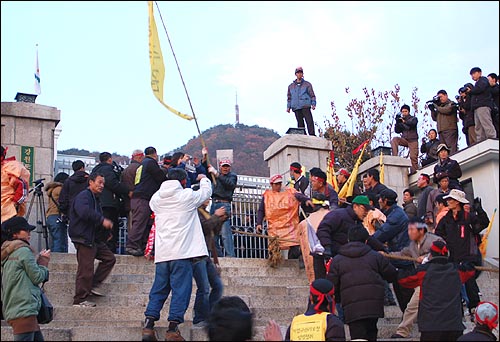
[277,293]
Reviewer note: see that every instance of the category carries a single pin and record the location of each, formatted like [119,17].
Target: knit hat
[320,290]
[363,200]
[439,248]
[487,314]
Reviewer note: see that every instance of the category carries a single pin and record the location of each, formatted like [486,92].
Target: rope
[264,236]
[185,89]
[401,257]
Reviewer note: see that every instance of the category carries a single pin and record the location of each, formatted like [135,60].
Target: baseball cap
[299,68]
[441,146]
[225,162]
[363,200]
[16,224]
[276,179]
[457,195]
[343,172]
[487,314]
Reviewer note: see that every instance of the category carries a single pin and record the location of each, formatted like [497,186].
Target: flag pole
[184,84]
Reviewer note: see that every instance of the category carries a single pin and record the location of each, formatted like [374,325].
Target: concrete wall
[479,164]
[309,151]
[31,124]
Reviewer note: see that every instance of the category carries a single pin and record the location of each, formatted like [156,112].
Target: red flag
[361,146]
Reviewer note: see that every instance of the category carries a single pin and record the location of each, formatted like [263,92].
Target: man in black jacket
[429,147]
[76,183]
[440,306]
[407,126]
[482,102]
[447,167]
[495,94]
[358,274]
[149,177]
[85,220]
[111,197]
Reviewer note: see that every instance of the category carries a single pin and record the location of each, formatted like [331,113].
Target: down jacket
[358,274]
[300,95]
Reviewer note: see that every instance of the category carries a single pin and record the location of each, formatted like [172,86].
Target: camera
[463,89]
[399,117]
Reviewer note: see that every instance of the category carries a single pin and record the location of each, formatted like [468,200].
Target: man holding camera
[466,113]
[444,112]
[407,126]
[429,147]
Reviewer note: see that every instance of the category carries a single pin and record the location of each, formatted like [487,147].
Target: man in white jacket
[179,242]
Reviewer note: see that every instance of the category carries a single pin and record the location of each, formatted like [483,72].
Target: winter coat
[128,178]
[331,195]
[394,232]
[466,113]
[430,148]
[114,190]
[332,231]
[440,305]
[14,188]
[85,218]
[179,234]
[53,190]
[300,95]
[408,128]
[422,201]
[150,178]
[21,276]
[223,188]
[450,168]
[462,234]
[495,94]
[75,184]
[481,94]
[358,274]
[410,209]
[446,116]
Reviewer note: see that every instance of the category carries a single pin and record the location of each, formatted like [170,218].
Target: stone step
[49,333]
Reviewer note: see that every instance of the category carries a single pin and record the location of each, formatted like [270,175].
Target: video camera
[38,185]
[431,104]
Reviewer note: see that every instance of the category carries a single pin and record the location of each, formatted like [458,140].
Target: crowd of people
[351,249]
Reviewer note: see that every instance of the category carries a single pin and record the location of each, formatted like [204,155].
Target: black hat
[317,172]
[388,194]
[16,224]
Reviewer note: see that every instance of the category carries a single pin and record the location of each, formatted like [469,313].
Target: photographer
[482,103]
[407,126]
[444,112]
[495,94]
[429,147]
[466,114]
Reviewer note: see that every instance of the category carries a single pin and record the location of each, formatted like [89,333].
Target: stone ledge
[296,140]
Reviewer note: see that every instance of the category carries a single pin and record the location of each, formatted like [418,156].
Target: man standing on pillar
[301,99]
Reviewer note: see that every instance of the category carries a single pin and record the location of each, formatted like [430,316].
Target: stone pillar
[395,172]
[30,126]
[309,151]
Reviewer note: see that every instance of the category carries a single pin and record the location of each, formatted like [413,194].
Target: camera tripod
[41,221]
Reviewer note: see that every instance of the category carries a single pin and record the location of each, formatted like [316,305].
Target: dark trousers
[365,329]
[305,113]
[86,279]
[472,292]
[139,230]
[403,295]
[440,335]
[111,213]
[450,138]
[319,267]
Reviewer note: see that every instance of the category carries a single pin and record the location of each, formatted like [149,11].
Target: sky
[94,61]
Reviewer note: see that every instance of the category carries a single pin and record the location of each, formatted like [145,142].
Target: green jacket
[21,275]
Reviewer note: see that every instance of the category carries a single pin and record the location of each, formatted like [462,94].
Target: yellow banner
[157,66]
[382,171]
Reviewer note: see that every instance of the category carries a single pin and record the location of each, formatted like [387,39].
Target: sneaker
[85,304]
[149,334]
[397,336]
[97,291]
[174,335]
[133,251]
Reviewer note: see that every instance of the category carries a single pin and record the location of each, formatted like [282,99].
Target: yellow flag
[348,187]
[330,173]
[157,66]
[484,241]
[381,168]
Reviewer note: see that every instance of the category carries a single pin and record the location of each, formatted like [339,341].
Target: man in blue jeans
[179,243]
[207,273]
[222,195]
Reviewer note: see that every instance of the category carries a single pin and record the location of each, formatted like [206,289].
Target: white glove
[211,169]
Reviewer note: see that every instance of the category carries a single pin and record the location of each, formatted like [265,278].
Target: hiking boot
[173,335]
[85,304]
[97,291]
[149,334]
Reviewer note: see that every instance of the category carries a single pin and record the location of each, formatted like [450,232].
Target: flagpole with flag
[330,173]
[38,89]
[382,171]
[348,187]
